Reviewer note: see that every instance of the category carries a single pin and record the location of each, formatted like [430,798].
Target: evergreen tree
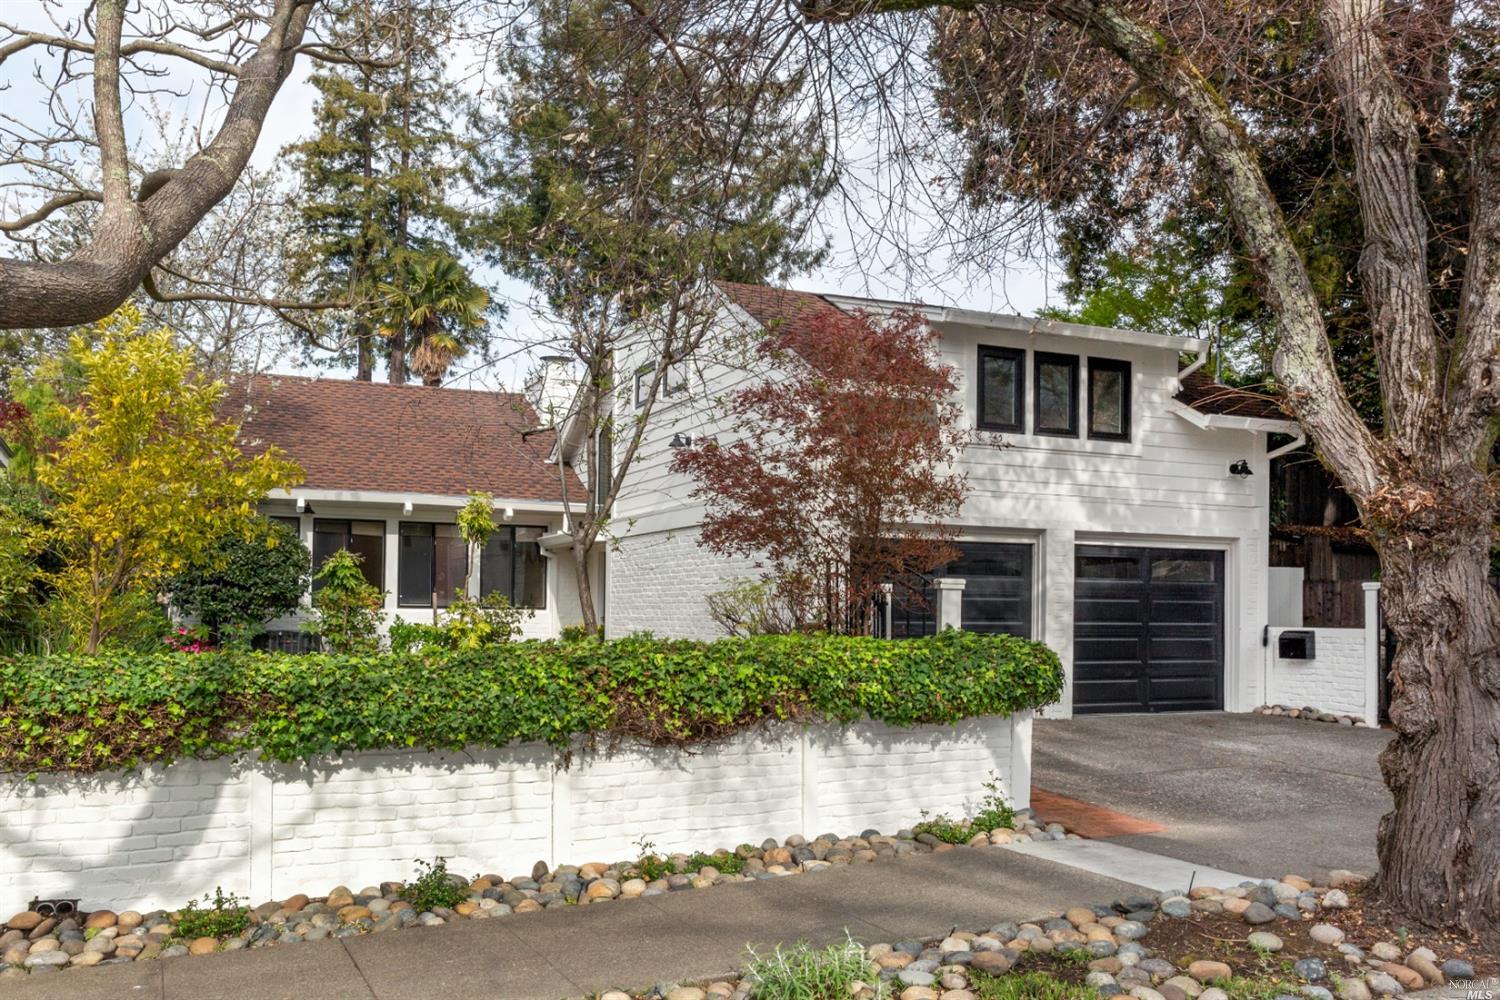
[380,180]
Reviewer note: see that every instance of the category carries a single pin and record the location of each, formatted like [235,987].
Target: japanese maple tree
[840,473]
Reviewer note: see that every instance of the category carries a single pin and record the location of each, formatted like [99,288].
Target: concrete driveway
[1246,793]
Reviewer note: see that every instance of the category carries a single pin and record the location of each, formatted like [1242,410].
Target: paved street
[1248,793]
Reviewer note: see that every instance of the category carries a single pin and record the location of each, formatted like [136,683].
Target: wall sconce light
[303,507]
[406,508]
[510,512]
[681,440]
[1240,468]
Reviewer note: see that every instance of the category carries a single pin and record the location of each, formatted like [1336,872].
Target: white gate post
[950,602]
[1372,653]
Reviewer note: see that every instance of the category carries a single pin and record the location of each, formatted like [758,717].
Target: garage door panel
[1166,649]
[1148,630]
[1123,610]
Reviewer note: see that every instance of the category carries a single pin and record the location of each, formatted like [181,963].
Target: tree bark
[1439,847]
[585,585]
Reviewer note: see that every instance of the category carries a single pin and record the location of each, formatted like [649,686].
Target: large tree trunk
[1440,846]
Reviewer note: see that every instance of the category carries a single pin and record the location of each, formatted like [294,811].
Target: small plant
[434,887]
[650,865]
[994,814]
[802,973]
[346,607]
[726,863]
[1030,986]
[223,916]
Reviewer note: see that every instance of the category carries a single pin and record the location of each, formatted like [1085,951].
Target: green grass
[802,973]
[1029,986]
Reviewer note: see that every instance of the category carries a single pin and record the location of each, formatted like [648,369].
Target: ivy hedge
[77,713]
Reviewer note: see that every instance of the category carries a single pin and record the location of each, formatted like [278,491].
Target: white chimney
[551,387]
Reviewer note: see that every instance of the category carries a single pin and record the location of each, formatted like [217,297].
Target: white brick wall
[165,835]
[660,581]
[1336,681]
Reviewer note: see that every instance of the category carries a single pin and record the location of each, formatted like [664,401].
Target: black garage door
[997,592]
[1148,630]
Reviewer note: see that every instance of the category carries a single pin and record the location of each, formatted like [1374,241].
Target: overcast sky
[853,267]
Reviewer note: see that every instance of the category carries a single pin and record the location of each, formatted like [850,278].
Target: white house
[1123,520]
[387,468]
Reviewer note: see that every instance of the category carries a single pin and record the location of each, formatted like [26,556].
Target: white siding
[1168,485]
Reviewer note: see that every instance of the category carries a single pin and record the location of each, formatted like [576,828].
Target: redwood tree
[839,475]
[1408,93]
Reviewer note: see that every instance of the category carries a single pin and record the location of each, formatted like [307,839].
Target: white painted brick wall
[165,835]
[660,581]
[1335,681]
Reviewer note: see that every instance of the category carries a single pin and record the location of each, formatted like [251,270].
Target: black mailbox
[1295,645]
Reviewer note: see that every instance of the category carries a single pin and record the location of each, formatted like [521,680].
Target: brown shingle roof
[400,439]
[778,308]
[1203,394]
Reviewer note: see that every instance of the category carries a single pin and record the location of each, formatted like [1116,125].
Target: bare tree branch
[61,201]
[129,238]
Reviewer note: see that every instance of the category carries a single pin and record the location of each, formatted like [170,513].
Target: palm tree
[442,306]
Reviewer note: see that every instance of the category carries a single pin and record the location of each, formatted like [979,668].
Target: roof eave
[1230,422]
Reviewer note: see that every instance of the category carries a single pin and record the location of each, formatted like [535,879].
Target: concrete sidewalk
[575,952]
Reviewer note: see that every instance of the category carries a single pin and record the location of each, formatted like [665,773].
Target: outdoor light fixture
[303,507]
[1240,468]
[406,508]
[510,512]
[681,440]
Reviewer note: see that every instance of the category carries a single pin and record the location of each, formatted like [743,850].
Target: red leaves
[840,466]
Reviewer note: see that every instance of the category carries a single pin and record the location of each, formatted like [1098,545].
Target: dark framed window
[431,564]
[366,539]
[1002,389]
[512,564]
[1056,410]
[1109,399]
[643,384]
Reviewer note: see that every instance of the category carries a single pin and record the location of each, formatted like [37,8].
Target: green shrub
[84,713]
[994,814]
[245,582]
[434,887]
[466,624]
[346,607]
[224,916]
[801,973]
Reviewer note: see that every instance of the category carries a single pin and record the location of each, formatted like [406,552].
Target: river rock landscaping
[1311,714]
[34,942]
[1281,939]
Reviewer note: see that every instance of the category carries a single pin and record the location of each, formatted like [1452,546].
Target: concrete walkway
[577,951]
[1247,793]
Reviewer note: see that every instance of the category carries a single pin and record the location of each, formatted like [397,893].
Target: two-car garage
[1148,623]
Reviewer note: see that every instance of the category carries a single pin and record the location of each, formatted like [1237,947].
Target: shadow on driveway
[1246,793]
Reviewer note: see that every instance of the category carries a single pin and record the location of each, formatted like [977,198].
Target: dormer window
[1109,399]
[1056,394]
